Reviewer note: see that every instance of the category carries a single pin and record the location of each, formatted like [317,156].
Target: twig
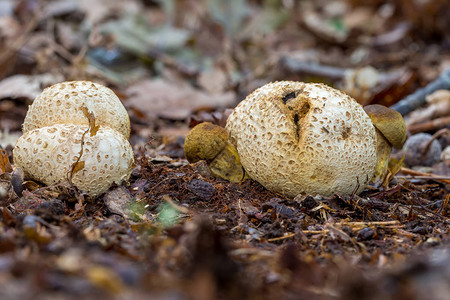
[287,236]
[387,224]
[181,209]
[316,231]
[158,184]
[423,175]
[314,69]
[430,125]
[373,223]
[438,134]
[417,98]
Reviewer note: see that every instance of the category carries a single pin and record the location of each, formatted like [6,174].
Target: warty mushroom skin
[47,155]
[295,137]
[65,101]
[57,134]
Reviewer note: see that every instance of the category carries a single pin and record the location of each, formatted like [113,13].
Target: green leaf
[167,215]
[134,34]
[229,14]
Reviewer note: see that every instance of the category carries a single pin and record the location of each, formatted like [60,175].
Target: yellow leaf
[105,278]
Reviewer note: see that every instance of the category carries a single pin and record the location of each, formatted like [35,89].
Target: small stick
[316,231]
[417,98]
[429,125]
[423,175]
[385,223]
[287,236]
[433,137]
[314,69]
[179,208]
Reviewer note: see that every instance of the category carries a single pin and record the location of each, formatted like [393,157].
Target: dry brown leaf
[173,100]
[5,166]
[26,86]
[93,128]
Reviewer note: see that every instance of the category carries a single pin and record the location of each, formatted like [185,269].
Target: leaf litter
[177,231]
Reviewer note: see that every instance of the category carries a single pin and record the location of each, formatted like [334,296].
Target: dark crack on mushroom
[304,109]
[289,96]
[346,133]
[297,127]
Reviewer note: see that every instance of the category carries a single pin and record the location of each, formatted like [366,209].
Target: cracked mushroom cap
[389,122]
[47,155]
[63,103]
[295,137]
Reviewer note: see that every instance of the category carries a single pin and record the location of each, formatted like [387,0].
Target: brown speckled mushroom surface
[63,102]
[57,137]
[296,137]
[47,155]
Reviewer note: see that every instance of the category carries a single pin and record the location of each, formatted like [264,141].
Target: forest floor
[177,232]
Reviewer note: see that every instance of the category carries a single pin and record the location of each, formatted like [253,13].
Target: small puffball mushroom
[295,137]
[391,132]
[77,132]
[47,155]
[209,142]
[63,103]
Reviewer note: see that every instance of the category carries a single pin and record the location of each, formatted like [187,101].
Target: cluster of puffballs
[292,137]
[76,132]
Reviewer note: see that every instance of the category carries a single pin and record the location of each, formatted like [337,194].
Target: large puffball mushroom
[67,101]
[76,132]
[209,142]
[391,132]
[47,155]
[295,137]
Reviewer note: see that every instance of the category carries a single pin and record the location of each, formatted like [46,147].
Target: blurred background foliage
[378,51]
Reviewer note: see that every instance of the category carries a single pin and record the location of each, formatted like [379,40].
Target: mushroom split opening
[298,107]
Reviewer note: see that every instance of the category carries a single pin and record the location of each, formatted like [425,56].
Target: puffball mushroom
[295,137]
[66,101]
[48,153]
[209,142]
[76,131]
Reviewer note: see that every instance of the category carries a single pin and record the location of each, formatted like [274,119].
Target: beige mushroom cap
[63,103]
[389,122]
[296,137]
[47,155]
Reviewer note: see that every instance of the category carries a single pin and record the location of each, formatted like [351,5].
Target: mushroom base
[49,155]
[384,149]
